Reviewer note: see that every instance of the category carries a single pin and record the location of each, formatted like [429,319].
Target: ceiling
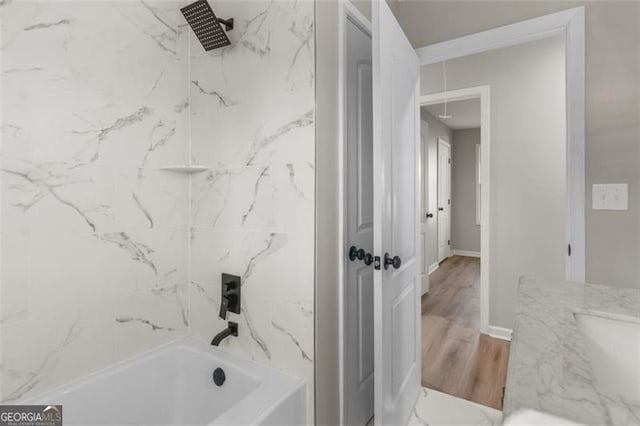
[466,114]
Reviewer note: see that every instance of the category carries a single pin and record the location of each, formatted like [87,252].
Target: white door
[444,200]
[396,222]
[424,206]
[358,295]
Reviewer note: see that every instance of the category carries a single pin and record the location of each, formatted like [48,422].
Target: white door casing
[358,295]
[444,200]
[396,156]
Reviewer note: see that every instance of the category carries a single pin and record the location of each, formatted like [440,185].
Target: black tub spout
[231,330]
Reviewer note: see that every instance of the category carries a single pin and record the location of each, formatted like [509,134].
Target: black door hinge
[376,263]
[569,249]
[449,160]
[448,242]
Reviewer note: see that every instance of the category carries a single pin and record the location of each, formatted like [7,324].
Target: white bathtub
[173,385]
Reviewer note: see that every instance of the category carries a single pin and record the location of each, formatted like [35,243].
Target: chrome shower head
[206,25]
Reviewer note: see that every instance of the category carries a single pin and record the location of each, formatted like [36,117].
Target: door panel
[365,336]
[358,293]
[396,221]
[444,200]
[424,207]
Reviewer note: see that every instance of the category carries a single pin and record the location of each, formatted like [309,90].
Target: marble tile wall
[252,214]
[94,236]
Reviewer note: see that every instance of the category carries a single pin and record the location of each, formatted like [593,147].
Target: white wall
[527,161]
[252,215]
[94,235]
[465,233]
[435,130]
[612,92]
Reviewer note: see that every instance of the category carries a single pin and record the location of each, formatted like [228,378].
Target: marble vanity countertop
[549,369]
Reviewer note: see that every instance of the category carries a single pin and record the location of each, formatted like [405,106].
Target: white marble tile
[271,42]
[153,258]
[56,198]
[70,272]
[439,409]
[273,198]
[150,318]
[14,280]
[267,131]
[292,342]
[149,199]
[112,108]
[271,266]
[43,353]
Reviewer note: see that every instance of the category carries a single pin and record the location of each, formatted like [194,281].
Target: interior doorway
[458,359]
[464,209]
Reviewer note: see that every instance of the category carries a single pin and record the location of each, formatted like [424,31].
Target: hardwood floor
[456,358]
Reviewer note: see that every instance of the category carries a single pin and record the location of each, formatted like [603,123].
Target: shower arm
[228,23]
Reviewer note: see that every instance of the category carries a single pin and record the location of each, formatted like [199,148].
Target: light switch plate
[611,196]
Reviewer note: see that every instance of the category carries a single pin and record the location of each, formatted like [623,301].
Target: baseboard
[500,332]
[433,267]
[465,253]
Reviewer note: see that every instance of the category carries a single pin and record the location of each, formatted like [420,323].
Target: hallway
[456,358]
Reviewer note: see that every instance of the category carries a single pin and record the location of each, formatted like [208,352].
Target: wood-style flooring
[456,358]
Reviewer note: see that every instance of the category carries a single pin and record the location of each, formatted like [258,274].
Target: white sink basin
[613,348]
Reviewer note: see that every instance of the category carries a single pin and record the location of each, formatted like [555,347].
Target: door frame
[482,93]
[571,24]
[347,11]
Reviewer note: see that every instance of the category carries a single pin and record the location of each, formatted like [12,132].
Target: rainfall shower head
[206,25]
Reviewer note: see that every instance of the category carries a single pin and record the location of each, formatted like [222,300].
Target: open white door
[396,222]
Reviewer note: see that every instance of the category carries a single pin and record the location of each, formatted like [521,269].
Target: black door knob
[368,259]
[360,254]
[440,208]
[394,261]
[429,214]
[353,253]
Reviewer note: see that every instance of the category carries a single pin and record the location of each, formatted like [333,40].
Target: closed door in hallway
[444,199]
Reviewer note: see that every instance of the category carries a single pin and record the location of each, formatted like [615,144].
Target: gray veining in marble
[549,369]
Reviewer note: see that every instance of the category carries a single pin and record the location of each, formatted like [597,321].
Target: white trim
[496,38]
[478,183]
[444,142]
[575,70]
[500,332]
[571,23]
[346,11]
[465,253]
[433,267]
[482,92]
